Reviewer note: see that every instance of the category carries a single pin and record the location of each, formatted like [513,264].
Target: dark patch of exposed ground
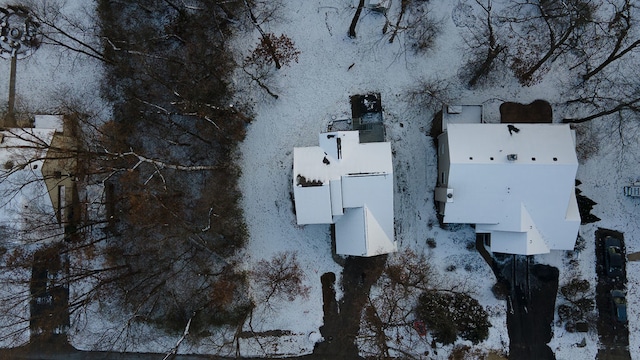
[538,111]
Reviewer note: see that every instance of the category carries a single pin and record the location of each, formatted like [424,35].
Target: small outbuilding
[37,180]
[350,184]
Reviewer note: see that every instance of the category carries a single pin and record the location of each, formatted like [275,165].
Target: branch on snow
[160,164]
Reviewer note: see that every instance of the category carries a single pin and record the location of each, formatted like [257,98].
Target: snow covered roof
[461,114]
[348,183]
[516,182]
[49,122]
[23,195]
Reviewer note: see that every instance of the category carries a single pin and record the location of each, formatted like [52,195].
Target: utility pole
[10,120]
[18,39]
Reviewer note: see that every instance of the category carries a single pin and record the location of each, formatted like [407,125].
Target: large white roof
[24,200]
[534,144]
[528,204]
[350,184]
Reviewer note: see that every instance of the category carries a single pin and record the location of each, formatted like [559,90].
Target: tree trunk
[526,77]
[265,37]
[403,8]
[612,57]
[354,21]
[619,107]
[492,54]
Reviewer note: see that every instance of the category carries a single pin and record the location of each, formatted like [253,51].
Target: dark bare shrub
[272,49]
[281,277]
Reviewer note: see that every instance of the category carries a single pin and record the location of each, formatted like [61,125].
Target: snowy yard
[330,68]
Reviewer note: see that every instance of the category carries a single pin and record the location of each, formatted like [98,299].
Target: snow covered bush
[451,314]
[578,303]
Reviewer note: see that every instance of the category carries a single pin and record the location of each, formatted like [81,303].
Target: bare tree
[416,22]
[273,49]
[397,302]
[389,312]
[483,42]
[602,97]
[618,32]
[430,93]
[281,277]
[545,30]
[76,34]
[166,258]
[604,90]
[280,51]
[356,17]
[269,46]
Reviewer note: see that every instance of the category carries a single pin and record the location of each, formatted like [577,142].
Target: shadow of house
[49,304]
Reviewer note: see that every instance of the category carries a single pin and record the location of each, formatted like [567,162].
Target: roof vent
[512,157]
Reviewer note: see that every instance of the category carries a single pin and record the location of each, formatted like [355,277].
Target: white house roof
[528,203]
[461,114]
[350,184]
[23,194]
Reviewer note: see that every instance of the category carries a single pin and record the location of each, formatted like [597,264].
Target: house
[60,166]
[36,184]
[350,184]
[514,182]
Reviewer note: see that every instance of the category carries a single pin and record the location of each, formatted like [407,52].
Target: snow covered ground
[331,67]
[53,76]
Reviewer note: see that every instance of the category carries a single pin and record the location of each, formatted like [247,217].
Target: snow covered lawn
[332,67]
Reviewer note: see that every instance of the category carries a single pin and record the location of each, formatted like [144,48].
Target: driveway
[614,337]
[531,312]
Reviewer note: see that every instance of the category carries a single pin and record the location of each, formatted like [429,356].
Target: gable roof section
[348,183]
[533,194]
[24,198]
